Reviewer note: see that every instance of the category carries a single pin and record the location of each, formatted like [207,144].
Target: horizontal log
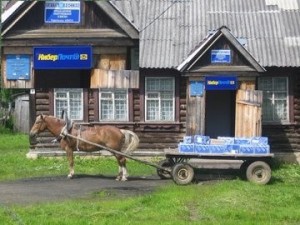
[91,118]
[42,107]
[42,95]
[182,101]
[44,112]
[182,112]
[160,140]
[42,102]
[157,146]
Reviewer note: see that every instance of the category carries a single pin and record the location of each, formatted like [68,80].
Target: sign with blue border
[220,83]
[196,88]
[18,67]
[63,57]
[62,11]
[220,56]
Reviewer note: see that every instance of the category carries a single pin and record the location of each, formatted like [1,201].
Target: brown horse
[108,136]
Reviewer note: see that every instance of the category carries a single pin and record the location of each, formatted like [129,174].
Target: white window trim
[146,98]
[67,90]
[287,121]
[108,90]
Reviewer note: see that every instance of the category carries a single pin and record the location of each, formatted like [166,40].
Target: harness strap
[63,132]
[77,140]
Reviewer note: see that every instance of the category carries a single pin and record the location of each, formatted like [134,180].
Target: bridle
[61,136]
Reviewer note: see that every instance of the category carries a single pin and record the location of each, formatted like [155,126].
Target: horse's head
[39,126]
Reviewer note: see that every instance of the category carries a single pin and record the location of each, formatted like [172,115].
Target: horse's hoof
[70,176]
[124,179]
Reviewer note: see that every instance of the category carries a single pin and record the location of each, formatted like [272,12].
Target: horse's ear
[41,116]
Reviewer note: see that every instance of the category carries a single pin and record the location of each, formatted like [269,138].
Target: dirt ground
[48,189]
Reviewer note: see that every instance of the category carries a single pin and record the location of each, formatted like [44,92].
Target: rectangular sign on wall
[220,83]
[196,88]
[62,11]
[221,56]
[63,57]
[17,67]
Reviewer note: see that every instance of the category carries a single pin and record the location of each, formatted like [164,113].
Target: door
[219,113]
[248,113]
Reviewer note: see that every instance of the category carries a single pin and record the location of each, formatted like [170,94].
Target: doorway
[62,78]
[220,113]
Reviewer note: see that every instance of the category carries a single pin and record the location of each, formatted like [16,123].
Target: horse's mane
[53,117]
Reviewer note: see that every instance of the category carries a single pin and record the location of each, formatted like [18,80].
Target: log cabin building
[210,67]
[253,44]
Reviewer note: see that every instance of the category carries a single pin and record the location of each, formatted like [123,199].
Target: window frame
[67,91]
[174,118]
[289,114]
[113,91]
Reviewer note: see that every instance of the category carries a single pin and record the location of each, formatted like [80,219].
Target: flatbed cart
[177,167]
[256,167]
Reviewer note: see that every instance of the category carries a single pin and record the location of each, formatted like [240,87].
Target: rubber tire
[182,173]
[243,169]
[259,172]
[165,164]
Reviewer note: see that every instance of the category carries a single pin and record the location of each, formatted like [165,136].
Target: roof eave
[119,19]
[191,59]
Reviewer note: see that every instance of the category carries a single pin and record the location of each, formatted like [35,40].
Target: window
[159,99]
[70,100]
[275,99]
[113,105]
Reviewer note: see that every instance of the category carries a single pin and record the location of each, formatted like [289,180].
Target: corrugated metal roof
[170,29]
[129,8]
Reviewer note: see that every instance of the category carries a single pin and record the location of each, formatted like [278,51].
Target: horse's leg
[119,174]
[71,162]
[122,176]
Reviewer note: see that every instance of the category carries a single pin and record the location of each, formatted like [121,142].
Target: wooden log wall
[286,137]
[154,138]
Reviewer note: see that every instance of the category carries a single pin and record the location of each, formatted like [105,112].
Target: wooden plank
[248,113]
[247,85]
[112,62]
[114,79]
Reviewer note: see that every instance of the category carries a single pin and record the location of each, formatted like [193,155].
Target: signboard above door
[220,83]
[63,57]
[62,11]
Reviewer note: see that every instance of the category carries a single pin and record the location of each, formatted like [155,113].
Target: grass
[223,202]
[15,165]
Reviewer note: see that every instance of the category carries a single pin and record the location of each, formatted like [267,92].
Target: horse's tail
[131,141]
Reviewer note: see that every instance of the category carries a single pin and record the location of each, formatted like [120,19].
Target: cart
[256,167]
[176,165]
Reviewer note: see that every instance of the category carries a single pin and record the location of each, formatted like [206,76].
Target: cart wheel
[243,169]
[161,173]
[258,172]
[182,173]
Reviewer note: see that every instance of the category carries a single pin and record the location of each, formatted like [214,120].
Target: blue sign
[221,83]
[62,11]
[63,57]
[220,56]
[17,67]
[196,88]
